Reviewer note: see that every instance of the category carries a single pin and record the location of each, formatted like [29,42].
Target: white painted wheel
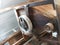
[25,24]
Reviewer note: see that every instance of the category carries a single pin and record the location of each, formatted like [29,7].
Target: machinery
[37,25]
[33,23]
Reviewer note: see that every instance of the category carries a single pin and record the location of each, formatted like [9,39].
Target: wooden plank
[9,38]
[47,10]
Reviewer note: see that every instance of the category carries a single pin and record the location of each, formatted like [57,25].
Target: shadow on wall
[8,3]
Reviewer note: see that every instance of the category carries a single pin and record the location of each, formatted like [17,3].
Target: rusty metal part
[49,27]
[41,3]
